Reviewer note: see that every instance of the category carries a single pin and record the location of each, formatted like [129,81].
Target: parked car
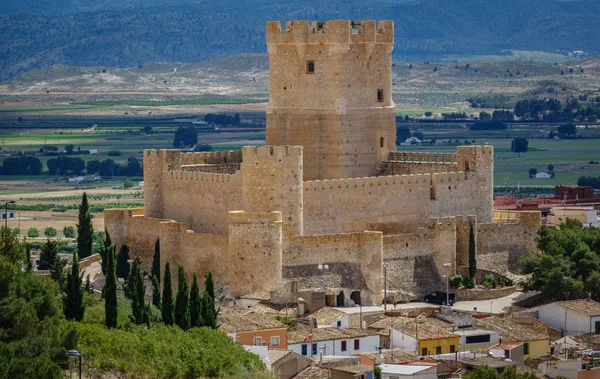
[439,297]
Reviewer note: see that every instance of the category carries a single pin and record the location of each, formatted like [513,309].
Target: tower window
[380,95]
[310,67]
[381,142]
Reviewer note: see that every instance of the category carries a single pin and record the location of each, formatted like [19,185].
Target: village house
[535,342]
[424,338]
[328,317]
[572,316]
[408,371]
[389,356]
[508,350]
[332,341]
[252,328]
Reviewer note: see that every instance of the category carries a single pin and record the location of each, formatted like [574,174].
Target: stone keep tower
[330,92]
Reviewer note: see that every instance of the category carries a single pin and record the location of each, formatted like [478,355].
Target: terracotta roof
[245,320]
[353,369]
[399,322]
[510,331]
[399,356]
[506,345]
[277,354]
[427,331]
[314,373]
[586,307]
[588,341]
[327,334]
[327,315]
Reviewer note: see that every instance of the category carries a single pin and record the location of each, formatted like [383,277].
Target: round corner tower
[331,93]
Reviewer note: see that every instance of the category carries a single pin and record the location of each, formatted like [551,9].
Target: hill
[40,34]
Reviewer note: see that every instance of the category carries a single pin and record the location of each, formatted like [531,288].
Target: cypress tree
[209,284]
[156,261]
[107,243]
[122,262]
[88,284]
[28,265]
[210,312]
[167,297]
[130,282]
[472,257]
[110,289]
[48,255]
[155,292]
[137,292]
[182,302]
[85,231]
[73,305]
[195,304]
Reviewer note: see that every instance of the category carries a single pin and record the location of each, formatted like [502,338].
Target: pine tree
[156,261]
[85,231]
[107,243]
[182,302]
[472,257]
[110,289]
[73,305]
[48,255]
[122,262]
[155,292]
[137,291]
[167,297]
[28,265]
[195,304]
[210,313]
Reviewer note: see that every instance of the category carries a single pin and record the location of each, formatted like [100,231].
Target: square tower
[331,93]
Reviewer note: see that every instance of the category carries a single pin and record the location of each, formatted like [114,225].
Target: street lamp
[447,266]
[6,202]
[385,266]
[74,353]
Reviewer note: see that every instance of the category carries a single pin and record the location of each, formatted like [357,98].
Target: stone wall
[406,163]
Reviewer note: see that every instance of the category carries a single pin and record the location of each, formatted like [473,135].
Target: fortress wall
[452,194]
[392,204]
[201,200]
[422,157]
[407,168]
[341,251]
[499,246]
[212,157]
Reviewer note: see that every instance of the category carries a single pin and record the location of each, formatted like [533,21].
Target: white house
[328,317]
[11,214]
[543,175]
[477,339]
[408,371]
[332,341]
[573,316]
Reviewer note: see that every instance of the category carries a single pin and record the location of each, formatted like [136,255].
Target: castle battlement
[449,177]
[372,181]
[250,153]
[441,223]
[212,157]
[403,156]
[335,31]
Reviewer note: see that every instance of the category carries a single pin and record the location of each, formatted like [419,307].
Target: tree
[127,183]
[376,372]
[182,302]
[57,272]
[155,292]
[567,131]
[472,255]
[48,255]
[106,245]
[209,312]
[195,304]
[73,305]
[185,137]
[50,232]
[550,167]
[168,316]
[532,172]
[402,133]
[484,116]
[85,230]
[202,147]
[28,265]
[138,291]
[418,135]
[519,145]
[33,233]
[155,270]
[110,289]
[133,168]
[92,167]
[69,232]
[69,149]
[10,247]
[428,114]
[122,262]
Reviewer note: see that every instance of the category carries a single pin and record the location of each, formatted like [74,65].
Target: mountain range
[41,33]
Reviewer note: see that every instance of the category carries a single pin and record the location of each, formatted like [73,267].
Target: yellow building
[535,342]
[424,338]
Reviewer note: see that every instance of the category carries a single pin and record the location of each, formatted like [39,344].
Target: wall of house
[445,344]
[247,338]
[334,347]
[290,365]
[537,349]
[399,340]
[553,314]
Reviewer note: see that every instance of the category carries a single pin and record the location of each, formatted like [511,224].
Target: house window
[507,354]
[310,67]
[304,349]
[525,348]
[258,341]
[274,341]
[452,348]
[339,323]
[380,95]
[356,344]
[343,345]
[314,348]
[438,350]
[483,338]
[424,351]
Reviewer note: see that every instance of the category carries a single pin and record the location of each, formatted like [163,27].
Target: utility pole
[565,340]
[385,266]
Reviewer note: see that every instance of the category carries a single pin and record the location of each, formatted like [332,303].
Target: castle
[328,201]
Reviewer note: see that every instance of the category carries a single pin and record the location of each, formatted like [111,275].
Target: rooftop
[587,341]
[585,306]
[399,322]
[489,361]
[390,356]
[506,345]
[354,369]
[277,354]
[427,331]
[245,320]
[327,334]
[327,315]
[510,331]
[314,373]
[402,369]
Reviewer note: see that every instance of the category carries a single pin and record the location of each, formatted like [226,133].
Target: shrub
[489,281]
[456,280]
[114,153]
[50,232]
[16,231]
[468,282]
[202,147]
[127,183]
[33,232]
[69,232]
